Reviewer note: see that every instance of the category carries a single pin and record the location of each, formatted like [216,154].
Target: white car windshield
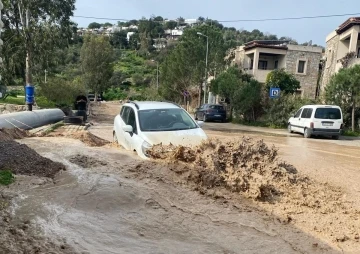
[165,120]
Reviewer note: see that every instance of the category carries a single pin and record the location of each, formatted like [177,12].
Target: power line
[243,20]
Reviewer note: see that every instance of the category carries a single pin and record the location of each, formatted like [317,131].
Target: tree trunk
[28,74]
[353,115]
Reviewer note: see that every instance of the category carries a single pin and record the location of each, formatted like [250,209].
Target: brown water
[120,208]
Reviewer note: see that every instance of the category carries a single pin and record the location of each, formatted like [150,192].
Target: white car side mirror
[128,128]
[200,123]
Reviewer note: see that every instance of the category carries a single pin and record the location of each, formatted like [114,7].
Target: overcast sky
[301,30]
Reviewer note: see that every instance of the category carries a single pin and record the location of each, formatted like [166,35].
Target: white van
[317,120]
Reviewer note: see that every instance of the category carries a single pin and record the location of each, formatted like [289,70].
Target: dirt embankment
[254,170]
[17,236]
[84,136]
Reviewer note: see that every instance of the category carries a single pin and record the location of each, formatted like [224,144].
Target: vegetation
[283,80]
[96,62]
[344,90]
[6,177]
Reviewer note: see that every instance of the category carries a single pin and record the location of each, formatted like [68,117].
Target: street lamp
[206,63]
[157,74]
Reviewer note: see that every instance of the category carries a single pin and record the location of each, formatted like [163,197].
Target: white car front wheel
[115,140]
[289,128]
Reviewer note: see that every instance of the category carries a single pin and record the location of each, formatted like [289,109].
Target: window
[301,66]
[276,65]
[251,64]
[217,107]
[132,120]
[298,113]
[173,119]
[262,65]
[307,112]
[328,113]
[125,114]
[358,54]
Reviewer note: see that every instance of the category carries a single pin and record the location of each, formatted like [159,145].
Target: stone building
[344,40]
[259,58]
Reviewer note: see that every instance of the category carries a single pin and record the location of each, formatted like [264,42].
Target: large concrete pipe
[31,119]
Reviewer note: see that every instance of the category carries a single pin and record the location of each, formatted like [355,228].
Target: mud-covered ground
[236,195]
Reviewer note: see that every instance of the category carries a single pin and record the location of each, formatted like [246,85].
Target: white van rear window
[328,113]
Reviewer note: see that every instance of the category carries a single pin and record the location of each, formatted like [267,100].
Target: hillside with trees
[136,64]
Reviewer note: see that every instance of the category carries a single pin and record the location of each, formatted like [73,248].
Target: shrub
[6,177]
[114,94]
[278,111]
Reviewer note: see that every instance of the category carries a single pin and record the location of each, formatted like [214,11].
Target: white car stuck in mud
[140,125]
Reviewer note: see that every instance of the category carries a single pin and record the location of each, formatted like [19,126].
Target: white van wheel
[307,133]
[289,128]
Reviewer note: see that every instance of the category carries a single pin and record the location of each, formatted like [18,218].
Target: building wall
[331,54]
[308,80]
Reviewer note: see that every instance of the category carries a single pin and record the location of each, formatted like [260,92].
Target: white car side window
[298,113]
[125,114]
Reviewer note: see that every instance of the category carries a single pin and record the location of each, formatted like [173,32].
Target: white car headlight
[144,147]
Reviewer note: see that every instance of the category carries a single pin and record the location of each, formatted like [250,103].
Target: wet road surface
[111,209]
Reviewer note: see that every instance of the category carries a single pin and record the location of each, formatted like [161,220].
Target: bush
[278,111]
[6,177]
[60,91]
[14,100]
[114,94]
[43,102]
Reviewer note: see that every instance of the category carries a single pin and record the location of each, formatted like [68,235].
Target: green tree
[283,80]
[38,27]
[96,63]
[119,40]
[94,25]
[229,83]
[247,100]
[184,67]
[344,90]
[170,24]
[107,24]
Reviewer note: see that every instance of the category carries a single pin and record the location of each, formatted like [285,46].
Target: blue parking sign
[274,92]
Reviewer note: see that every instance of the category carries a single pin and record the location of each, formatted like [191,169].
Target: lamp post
[206,63]
[157,74]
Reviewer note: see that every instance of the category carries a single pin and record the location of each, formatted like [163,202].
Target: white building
[129,34]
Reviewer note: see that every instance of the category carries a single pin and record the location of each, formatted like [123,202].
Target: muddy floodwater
[107,206]
[110,201]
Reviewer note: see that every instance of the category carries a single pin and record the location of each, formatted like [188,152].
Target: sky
[301,30]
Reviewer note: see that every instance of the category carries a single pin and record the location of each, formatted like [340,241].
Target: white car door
[295,121]
[133,140]
[120,122]
[305,119]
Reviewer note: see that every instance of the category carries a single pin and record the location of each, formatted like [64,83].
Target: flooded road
[112,208]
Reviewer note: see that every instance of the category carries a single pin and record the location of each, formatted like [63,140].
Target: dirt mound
[242,166]
[84,136]
[19,236]
[20,159]
[87,162]
[11,134]
[253,169]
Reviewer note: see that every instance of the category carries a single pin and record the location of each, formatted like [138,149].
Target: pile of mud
[11,134]
[86,161]
[84,136]
[242,166]
[22,160]
[19,236]
[253,169]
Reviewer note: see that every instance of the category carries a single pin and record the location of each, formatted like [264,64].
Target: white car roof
[145,105]
[320,106]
